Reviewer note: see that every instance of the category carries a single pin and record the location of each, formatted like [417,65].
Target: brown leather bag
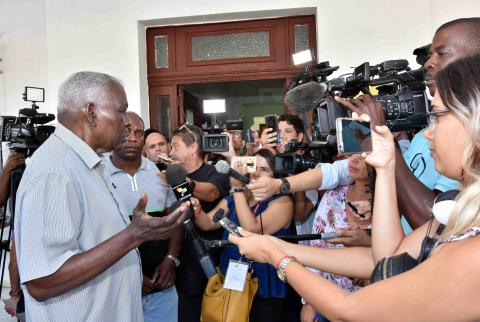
[225,305]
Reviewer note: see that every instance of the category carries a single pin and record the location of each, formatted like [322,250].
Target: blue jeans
[161,306]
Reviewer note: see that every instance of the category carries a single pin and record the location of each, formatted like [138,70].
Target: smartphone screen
[353,136]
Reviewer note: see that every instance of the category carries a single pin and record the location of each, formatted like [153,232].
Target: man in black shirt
[209,187]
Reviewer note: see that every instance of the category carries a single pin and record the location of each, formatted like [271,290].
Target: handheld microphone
[305,97]
[204,258]
[176,177]
[223,167]
[227,224]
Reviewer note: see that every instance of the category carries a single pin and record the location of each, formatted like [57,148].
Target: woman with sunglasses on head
[271,216]
[444,287]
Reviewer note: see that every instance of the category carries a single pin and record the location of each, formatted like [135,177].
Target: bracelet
[173,259]
[12,293]
[282,267]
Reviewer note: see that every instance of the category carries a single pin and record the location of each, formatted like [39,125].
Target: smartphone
[249,136]
[271,122]
[250,161]
[353,136]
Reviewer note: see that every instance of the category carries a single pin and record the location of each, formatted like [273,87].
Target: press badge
[236,275]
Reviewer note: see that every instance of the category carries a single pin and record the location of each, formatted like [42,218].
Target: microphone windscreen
[175,174]
[305,97]
[222,166]
[219,215]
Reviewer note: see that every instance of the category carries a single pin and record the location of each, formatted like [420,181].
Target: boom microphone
[223,167]
[305,97]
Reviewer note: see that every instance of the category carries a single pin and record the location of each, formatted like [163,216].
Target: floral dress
[331,214]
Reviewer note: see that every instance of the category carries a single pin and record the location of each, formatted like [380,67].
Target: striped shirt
[65,206]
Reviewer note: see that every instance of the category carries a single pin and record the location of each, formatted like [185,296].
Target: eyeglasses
[185,126]
[432,117]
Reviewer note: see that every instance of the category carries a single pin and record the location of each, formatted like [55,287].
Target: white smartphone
[250,161]
[165,159]
[353,136]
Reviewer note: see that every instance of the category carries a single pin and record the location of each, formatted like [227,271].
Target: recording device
[165,159]
[292,163]
[227,224]
[249,161]
[223,167]
[401,93]
[204,258]
[215,140]
[176,177]
[353,136]
[271,121]
[290,238]
[26,132]
[249,136]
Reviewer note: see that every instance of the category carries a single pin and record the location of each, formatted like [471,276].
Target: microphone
[227,224]
[176,177]
[223,167]
[204,258]
[305,97]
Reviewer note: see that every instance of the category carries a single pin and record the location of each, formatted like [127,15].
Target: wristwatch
[173,259]
[284,186]
[237,189]
[282,266]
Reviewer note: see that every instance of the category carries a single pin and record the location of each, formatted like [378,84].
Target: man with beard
[131,174]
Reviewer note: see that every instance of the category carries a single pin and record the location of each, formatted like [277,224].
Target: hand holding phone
[271,122]
[353,136]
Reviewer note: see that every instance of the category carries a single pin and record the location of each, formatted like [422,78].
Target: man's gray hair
[82,88]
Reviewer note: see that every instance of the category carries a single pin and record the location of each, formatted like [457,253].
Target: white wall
[109,35]
[23,49]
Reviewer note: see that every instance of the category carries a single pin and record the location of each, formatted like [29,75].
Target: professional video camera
[26,132]
[401,93]
[291,163]
[215,140]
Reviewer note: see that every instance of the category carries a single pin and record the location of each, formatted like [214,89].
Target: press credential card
[236,276]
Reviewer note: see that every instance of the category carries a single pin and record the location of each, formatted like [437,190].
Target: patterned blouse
[331,214]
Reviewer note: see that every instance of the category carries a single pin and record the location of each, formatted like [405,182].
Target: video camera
[215,140]
[291,163]
[401,93]
[26,132]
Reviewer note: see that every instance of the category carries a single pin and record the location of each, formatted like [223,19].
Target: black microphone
[176,177]
[227,224]
[223,167]
[204,258]
[305,97]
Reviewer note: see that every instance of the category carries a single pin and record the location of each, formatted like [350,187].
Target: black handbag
[394,265]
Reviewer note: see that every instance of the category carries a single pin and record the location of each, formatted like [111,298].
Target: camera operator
[417,179]
[14,160]
[156,146]
[209,187]
[75,243]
